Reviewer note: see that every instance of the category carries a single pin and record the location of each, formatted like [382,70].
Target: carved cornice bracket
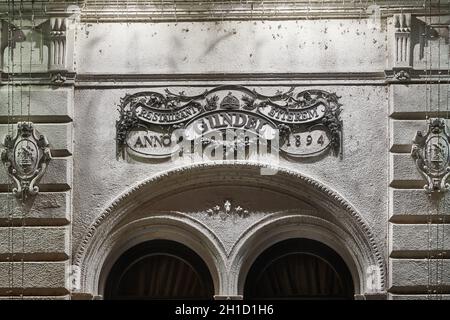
[412,41]
[51,31]
[58,44]
[401,50]
[60,48]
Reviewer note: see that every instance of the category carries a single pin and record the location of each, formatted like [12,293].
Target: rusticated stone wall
[91,205]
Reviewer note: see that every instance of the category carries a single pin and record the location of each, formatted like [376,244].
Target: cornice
[90,80]
[127,80]
[52,78]
[215,10]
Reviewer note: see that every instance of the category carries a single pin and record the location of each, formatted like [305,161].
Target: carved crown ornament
[227,210]
[431,153]
[298,124]
[26,157]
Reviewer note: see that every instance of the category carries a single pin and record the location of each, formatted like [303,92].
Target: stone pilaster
[35,254]
[418,229]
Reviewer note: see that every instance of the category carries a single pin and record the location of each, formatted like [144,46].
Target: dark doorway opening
[299,269]
[159,269]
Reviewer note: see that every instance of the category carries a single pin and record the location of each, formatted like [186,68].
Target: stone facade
[67,69]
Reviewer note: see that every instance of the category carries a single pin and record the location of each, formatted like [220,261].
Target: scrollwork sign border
[288,112]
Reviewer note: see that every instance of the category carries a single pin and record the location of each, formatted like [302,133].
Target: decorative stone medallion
[431,153]
[25,157]
[227,210]
[304,124]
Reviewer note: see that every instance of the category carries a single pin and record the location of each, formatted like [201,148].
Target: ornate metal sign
[432,156]
[305,124]
[26,157]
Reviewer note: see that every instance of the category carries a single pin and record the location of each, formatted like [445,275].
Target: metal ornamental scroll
[305,124]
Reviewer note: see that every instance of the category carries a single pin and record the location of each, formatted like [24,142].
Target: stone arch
[111,241]
[337,223]
[291,225]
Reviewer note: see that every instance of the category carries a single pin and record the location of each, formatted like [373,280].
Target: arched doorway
[299,269]
[188,205]
[159,269]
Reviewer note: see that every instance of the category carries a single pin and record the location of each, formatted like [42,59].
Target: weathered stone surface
[412,101]
[413,275]
[59,172]
[36,275]
[45,208]
[46,104]
[270,46]
[347,53]
[404,172]
[414,205]
[50,242]
[59,135]
[100,177]
[403,132]
[405,239]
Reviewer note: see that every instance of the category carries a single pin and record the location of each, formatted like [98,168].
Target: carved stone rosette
[26,157]
[431,153]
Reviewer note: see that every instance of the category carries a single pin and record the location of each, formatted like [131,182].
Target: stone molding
[181,10]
